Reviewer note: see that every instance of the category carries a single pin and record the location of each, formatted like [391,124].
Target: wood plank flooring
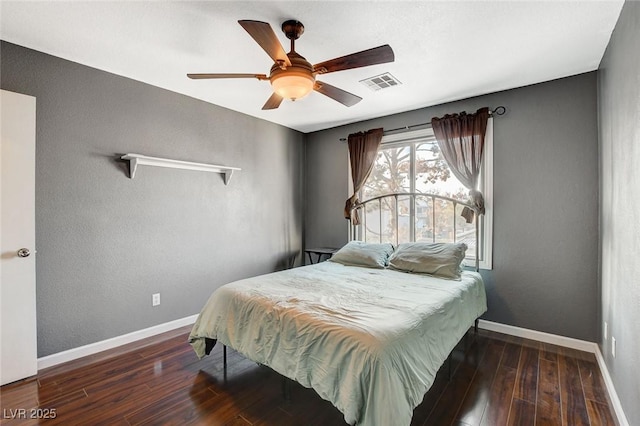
[496,380]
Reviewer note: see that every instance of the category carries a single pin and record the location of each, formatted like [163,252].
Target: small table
[328,251]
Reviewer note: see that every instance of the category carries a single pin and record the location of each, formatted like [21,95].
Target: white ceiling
[444,50]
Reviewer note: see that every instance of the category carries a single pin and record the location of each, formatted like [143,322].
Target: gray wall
[619,114]
[546,201]
[106,242]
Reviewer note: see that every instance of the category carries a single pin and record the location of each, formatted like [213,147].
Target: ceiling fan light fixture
[292,84]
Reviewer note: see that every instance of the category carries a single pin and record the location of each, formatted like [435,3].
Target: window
[412,162]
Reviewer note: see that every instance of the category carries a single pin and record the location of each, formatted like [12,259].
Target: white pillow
[358,253]
[439,259]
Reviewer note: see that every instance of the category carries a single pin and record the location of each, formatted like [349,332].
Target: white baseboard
[613,395]
[567,342]
[93,348]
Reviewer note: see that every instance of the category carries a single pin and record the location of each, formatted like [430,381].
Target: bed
[362,330]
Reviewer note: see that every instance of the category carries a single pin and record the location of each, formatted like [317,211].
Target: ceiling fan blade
[273,102]
[377,55]
[342,96]
[219,75]
[263,34]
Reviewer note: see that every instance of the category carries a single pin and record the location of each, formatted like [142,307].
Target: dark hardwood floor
[496,380]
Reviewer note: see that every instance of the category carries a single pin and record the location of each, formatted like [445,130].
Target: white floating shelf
[136,160]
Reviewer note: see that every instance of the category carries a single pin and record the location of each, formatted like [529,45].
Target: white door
[18,339]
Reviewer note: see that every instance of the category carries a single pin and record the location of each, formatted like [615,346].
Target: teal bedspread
[370,341]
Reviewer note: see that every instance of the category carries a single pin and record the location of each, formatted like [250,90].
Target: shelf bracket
[227,176]
[133,166]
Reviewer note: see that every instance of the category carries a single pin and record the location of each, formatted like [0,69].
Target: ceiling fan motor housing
[293,82]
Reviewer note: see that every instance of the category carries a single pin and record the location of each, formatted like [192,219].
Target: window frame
[485,182]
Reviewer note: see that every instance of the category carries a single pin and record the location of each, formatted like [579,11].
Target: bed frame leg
[449,362]
[286,389]
[224,355]
[475,325]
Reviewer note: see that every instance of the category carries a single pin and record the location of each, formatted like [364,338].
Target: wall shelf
[136,160]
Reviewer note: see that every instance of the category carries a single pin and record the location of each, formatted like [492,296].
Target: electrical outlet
[155,299]
[613,346]
[606,330]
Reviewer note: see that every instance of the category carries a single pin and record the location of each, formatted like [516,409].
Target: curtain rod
[500,110]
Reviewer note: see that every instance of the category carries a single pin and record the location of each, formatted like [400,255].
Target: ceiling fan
[291,76]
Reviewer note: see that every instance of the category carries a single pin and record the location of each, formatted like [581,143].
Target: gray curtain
[461,141]
[363,150]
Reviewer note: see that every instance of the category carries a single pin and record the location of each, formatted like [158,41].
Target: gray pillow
[439,259]
[358,253]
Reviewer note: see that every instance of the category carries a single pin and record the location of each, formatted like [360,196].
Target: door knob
[24,252]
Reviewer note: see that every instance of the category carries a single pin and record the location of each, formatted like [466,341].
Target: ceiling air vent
[382,81]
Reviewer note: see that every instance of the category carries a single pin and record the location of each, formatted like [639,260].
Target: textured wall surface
[545,249]
[106,242]
[619,114]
